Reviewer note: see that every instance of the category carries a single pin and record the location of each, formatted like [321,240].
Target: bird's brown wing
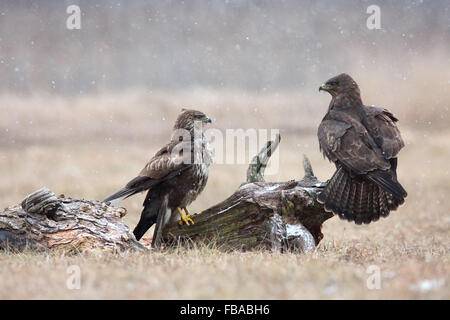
[168,162]
[350,144]
[380,124]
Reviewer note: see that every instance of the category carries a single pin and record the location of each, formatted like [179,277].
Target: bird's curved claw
[187,220]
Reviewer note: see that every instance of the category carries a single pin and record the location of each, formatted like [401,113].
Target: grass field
[90,146]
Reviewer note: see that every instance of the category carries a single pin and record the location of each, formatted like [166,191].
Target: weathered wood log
[260,215]
[46,222]
[277,216]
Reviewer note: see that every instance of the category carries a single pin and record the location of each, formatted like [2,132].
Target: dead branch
[278,216]
[271,215]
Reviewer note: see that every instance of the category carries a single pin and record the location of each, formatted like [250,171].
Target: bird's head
[188,118]
[342,83]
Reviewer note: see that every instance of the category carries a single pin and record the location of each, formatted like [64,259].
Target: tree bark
[278,216]
[44,222]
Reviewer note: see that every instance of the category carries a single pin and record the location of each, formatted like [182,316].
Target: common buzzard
[175,176]
[363,142]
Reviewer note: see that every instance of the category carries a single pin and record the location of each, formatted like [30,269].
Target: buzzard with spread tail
[363,142]
[175,176]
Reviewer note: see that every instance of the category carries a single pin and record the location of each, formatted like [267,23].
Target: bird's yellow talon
[186,218]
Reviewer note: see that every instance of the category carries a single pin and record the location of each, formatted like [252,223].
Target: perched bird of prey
[175,176]
[363,142]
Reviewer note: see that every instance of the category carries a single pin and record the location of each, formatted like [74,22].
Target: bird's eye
[332,83]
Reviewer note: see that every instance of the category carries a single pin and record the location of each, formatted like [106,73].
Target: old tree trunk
[277,216]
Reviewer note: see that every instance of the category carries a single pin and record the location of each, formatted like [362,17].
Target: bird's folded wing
[168,162]
[380,123]
[341,141]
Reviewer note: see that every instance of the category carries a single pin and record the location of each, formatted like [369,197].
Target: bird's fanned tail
[362,199]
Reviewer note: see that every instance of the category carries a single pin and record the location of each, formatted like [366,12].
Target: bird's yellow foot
[188,215]
[185,217]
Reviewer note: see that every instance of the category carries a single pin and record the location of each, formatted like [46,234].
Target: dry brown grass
[89,147]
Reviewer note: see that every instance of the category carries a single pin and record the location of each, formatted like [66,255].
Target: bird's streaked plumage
[176,174]
[363,142]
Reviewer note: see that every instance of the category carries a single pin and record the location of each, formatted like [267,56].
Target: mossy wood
[277,216]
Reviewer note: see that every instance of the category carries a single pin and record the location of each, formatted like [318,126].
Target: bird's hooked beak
[324,87]
[207,120]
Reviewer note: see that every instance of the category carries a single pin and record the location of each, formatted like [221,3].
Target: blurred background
[256,46]
[81,111]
